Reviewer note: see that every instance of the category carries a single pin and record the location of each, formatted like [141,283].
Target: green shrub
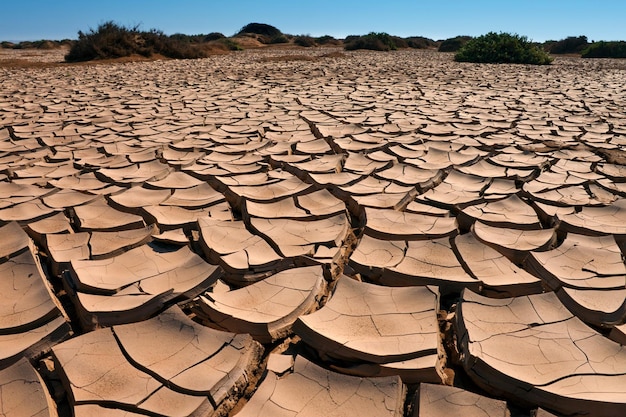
[453,44]
[111,40]
[260,29]
[569,45]
[373,41]
[615,49]
[264,33]
[214,36]
[382,41]
[420,42]
[502,48]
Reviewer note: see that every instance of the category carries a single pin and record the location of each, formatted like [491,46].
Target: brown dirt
[286,58]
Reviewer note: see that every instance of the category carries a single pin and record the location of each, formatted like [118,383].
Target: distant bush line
[381,41]
[40,44]
[111,40]
[306,41]
[372,41]
[569,45]
[579,45]
[453,44]
[502,48]
[616,49]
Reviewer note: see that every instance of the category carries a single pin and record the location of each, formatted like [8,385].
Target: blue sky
[540,20]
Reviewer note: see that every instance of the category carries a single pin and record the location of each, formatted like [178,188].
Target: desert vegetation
[304,40]
[39,44]
[382,41]
[615,49]
[260,29]
[308,41]
[264,33]
[502,48]
[213,40]
[375,41]
[453,44]
[328,40]
[111,40]
[420,42]
[569,45]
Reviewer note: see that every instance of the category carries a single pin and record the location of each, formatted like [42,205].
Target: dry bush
[454,44]
[305,41]
[260,29]
[372,41]
[420,42]
[110,41]
[328,40]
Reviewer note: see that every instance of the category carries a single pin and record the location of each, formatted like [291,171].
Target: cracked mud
[384,234]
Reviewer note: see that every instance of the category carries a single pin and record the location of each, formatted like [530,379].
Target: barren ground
[309,232]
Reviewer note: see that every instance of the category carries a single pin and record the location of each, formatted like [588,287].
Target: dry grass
[248,42]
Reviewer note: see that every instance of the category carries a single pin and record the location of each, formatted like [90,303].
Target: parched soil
[312,231]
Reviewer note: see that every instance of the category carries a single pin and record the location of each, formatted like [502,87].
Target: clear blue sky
[540,20]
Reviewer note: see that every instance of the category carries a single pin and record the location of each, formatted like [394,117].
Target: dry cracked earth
[320,233]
